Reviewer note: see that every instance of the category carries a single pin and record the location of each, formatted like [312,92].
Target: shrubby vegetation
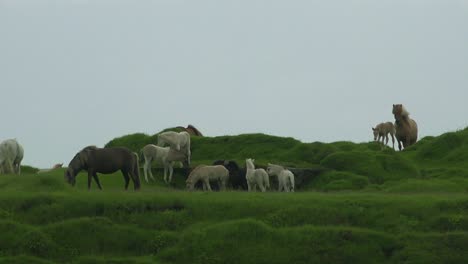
[366,205]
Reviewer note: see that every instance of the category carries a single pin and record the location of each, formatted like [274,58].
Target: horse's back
[109,160]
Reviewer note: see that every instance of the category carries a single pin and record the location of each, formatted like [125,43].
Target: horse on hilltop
[106,161]
[406,129]
[205,174]
[11,155]
[165,155]
[285,177]
[177,141]
[381,132]
[256,177]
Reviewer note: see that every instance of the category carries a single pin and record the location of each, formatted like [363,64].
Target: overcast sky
[75,73]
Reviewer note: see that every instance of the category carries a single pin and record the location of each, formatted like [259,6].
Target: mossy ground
[367,206]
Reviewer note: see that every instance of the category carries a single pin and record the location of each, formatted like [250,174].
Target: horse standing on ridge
[165,155]
[381,132]
[406,128]
[104,160]
[206,174]
[256,177]
[285,177]
[177,141]
[11,155]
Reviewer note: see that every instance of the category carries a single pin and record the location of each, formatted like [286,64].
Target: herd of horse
[175,147]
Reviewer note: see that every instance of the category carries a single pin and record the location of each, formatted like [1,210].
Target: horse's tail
[136,171]
[266,180]
[291,178]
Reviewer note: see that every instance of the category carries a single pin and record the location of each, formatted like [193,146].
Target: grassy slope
[408,207]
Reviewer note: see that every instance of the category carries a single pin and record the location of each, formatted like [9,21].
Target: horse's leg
[171,170]
[90,175]
[96,179]
[207,181]
[399,144]
[393,140]
[248,186]
[165,171]
[386,139]
[145,168]
[126,178]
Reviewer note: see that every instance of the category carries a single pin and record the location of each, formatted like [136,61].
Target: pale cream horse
[206,174]
[405,127]
[256,177]
[381,132]
[177,141]
[285,177]
[164,155]
[11,155]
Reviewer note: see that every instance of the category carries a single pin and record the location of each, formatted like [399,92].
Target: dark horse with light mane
[406,129]
[104,160]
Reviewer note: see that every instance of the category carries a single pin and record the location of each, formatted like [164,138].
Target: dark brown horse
[104,160]
[406,128]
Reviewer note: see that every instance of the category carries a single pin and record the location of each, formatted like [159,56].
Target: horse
[165,155]
[406,129]
[381,132]
[178,141]
[285,177]
[206,174]
[256,177]
[106,161]
[11,155]
[56,166]
[236,174]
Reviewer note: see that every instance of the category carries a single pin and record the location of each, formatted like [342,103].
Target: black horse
[236,175]
[104,160]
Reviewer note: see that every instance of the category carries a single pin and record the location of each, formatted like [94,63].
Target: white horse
[256,177]
[165,155]
[11,155]
[178,141]
[206,174]
[285,177]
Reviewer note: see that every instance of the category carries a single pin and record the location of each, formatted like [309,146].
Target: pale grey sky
[75,73]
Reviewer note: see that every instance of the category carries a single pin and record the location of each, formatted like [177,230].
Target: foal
[381,132]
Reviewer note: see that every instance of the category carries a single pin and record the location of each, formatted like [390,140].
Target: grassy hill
[433,164]
[367,205]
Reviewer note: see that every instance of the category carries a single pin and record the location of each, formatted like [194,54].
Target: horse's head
[273,169]
[376,133]
[249,163]
[161,140]
[77,164]
[399,111]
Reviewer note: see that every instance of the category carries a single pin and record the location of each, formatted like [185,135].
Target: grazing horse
[206,174]
[177,141]
[236,174]
[381,132]
[285,177]
[405,127]
[104,160]
[256,177]
[165,155]
[11,155]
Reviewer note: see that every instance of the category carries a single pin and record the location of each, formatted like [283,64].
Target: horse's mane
[191,130]
[92,147]
[400,110]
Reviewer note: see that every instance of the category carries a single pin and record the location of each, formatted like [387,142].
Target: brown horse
[405,127]
[104,160]
[381,132]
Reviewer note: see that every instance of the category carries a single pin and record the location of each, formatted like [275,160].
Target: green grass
[365,205]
